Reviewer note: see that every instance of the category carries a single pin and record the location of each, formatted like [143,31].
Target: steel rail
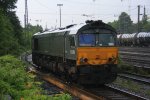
[137,78]
[134,96]
[135,49]
[144,76]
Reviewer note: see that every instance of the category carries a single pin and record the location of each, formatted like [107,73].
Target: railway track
[106,92]
[136,62]
[113,93]
[138,78]
[99,93]
[147,77]
[135,49]
[138,57]
[143,54]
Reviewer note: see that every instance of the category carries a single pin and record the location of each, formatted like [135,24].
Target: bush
[13,77]
[16,83]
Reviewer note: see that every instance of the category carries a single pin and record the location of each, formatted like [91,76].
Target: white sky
[47,11]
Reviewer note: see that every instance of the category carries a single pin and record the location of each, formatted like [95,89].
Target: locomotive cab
[97,54]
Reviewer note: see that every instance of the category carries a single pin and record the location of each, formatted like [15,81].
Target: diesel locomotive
[87,53]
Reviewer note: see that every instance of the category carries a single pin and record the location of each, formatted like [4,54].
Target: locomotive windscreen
[106,40]
[96,37]
[87,39]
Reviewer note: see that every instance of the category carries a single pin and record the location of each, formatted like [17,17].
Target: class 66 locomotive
[84,53]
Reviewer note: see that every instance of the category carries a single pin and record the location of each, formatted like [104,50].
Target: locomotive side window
[87,40]
[106,40]
[72,41]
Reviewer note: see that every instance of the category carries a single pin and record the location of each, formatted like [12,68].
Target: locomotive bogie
[99,74]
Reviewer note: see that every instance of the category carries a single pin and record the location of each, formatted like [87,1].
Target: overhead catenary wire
[89,3]
[41,4]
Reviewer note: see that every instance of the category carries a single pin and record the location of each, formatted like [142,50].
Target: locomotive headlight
[111,60]
[83,60]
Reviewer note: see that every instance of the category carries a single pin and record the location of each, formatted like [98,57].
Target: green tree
[8,44]
[33,29]
[11,37]
[146,27]
[18,33]
[28,33]
[7,5]
[125,23]
[145,24]
[115,24]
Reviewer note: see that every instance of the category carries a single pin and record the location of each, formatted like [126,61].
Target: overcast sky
[46,12]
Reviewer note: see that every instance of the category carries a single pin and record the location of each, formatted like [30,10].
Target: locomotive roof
[72,28]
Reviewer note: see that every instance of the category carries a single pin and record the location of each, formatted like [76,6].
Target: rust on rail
[81,94]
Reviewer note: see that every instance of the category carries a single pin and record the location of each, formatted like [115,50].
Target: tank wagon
[84,53]
[141,39]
